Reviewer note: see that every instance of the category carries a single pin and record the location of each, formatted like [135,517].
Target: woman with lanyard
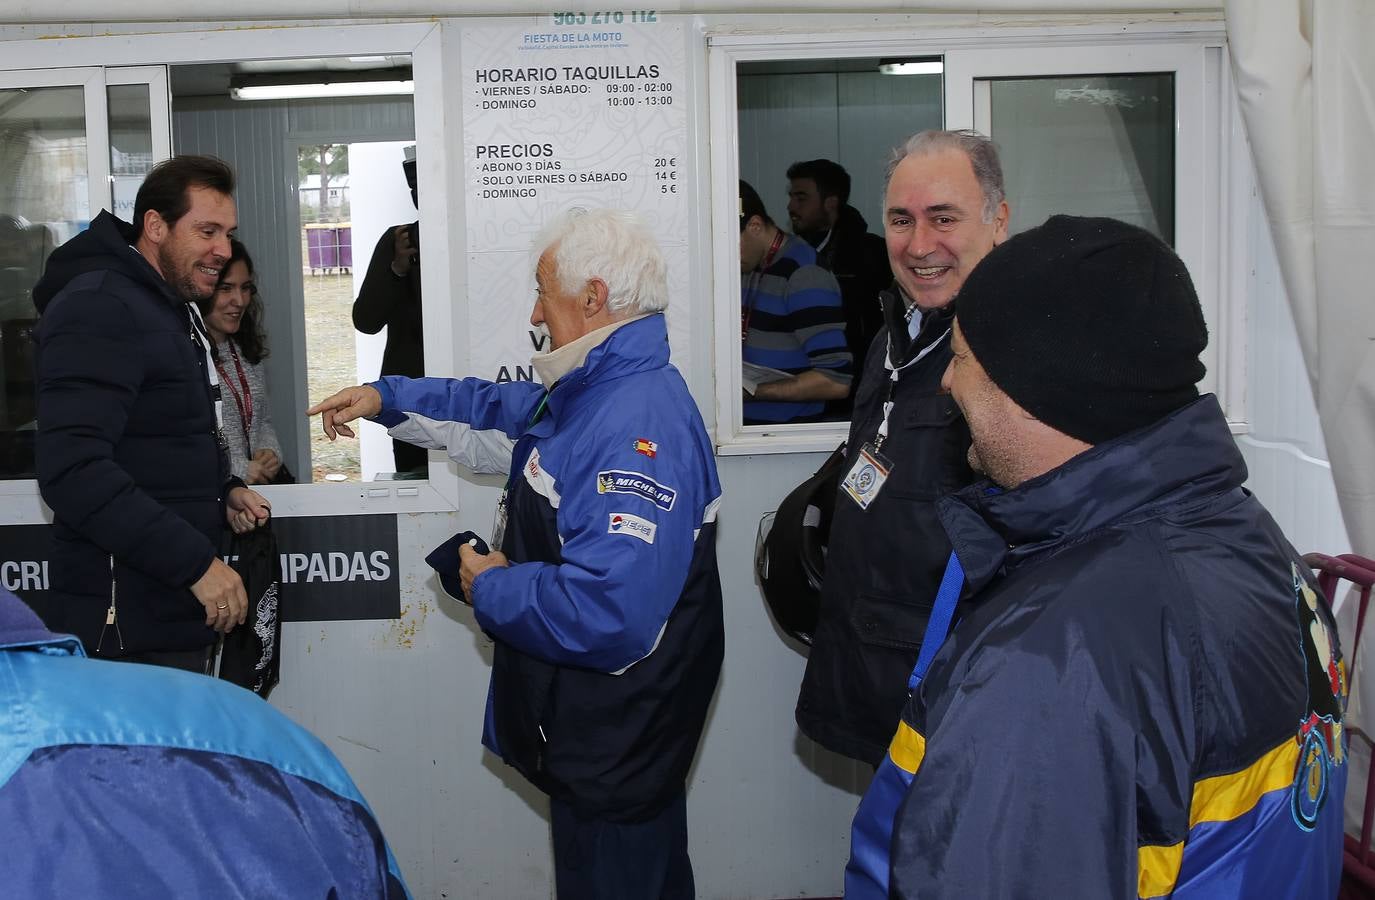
[233,317]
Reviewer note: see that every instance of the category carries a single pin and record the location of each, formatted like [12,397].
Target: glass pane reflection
[131,143]
[1089,145]
[44,201]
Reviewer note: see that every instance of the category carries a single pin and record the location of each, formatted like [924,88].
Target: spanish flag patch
[648,448]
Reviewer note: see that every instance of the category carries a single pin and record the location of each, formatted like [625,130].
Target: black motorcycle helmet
[790,559]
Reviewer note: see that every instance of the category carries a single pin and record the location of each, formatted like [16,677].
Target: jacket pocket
[933,442]
[523,701]
[932,411]
[887,621]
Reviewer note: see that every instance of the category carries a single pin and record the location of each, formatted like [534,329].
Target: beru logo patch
[615,481]
[625,523]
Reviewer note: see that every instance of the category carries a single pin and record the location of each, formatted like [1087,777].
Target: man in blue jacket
[129,452]
[601,592]
[131,781]
[1145,696]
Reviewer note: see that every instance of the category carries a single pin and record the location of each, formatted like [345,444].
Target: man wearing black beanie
[1145,695]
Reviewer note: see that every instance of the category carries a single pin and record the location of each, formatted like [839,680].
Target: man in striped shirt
[791,322]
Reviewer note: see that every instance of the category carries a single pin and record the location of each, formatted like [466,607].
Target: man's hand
[220,591]
[245,510]
[808,385]
[473,564]
[263,467]
[351,403]
[404,252]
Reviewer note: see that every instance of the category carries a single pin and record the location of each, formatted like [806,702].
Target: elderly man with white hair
[601,590]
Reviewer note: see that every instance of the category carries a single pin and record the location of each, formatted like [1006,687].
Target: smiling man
[943,212]
[129,452]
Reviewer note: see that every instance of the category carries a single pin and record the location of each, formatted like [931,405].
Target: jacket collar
[638,345]
[1186,456]
[934,325]
[21,629]
[848,225]
[106,245]
[554,364]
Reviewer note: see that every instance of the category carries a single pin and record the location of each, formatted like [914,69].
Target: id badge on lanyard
[867,475]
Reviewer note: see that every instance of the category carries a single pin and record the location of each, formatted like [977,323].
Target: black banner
[24,553]
[333,567]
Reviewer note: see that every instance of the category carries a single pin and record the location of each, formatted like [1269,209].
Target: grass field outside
[331,364]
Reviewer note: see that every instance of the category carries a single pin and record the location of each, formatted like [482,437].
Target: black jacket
[859,262]
[385,301]
[883,564]
[127,451]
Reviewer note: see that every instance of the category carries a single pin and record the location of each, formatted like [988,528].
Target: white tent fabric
[1305,76]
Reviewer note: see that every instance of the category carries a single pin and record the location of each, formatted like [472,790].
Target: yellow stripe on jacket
[907,748]
[1221,798]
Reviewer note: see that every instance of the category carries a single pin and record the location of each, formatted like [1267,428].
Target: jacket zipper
[111,614]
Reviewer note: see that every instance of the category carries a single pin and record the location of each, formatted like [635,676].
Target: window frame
[1195,52]
[424,43]
[20,496]
[92,79]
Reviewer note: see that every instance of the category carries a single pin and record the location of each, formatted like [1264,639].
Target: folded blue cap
[445,561]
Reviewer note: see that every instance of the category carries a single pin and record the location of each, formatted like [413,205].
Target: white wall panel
[769,812]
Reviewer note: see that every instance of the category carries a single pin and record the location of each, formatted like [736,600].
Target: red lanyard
[752,292]
[245,401]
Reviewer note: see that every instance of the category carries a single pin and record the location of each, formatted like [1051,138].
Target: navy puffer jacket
[127,452]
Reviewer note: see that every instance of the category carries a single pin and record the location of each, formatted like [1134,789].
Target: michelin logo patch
[615,481]
[625,523]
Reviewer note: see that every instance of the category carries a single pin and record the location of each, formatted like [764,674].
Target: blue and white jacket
[121,780]
[1145,698]
[608,622]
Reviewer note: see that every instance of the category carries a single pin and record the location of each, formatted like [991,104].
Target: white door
[1126,130]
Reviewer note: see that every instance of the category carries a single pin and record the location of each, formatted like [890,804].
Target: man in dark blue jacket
[1145,695]
[130,781]
[601,593]
[129,453]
